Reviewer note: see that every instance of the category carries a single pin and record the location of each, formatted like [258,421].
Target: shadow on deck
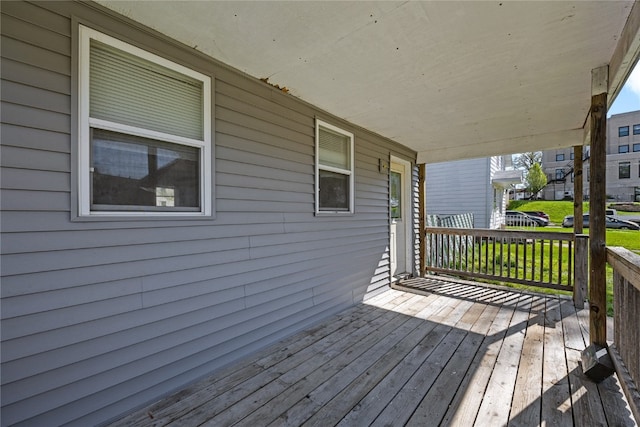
[439,352]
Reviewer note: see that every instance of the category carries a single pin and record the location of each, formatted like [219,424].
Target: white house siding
[459,187]
[496,201]
[101,317]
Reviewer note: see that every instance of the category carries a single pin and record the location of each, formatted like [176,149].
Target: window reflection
[395,194]
[133,171]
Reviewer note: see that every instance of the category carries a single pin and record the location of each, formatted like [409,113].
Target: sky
[629,97]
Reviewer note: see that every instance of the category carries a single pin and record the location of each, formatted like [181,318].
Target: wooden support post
[421,221]
[597,201]
[580,277]
[577,189]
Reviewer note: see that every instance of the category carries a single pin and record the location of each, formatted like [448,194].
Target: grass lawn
[556,209]
[628,239]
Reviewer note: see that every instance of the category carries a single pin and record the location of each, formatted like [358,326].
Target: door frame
[407,217]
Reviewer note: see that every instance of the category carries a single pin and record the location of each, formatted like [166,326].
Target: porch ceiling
[451,80]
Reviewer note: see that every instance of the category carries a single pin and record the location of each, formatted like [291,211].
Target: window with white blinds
[145,132]
[334,169]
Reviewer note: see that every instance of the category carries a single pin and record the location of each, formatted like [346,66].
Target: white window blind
[334,149]
[130,90]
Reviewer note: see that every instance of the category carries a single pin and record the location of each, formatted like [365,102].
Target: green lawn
[557,210]
[628,239]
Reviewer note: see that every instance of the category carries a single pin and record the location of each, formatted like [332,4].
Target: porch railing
[533,258]
[626,309]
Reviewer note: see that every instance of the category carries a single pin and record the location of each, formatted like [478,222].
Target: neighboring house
[623,163]
[477,186]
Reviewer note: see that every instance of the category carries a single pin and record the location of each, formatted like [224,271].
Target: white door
[400,227]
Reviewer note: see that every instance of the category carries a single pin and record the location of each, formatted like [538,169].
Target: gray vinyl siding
[459,187]
[101,317]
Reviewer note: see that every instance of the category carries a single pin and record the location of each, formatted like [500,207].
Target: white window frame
[85,123]
[319,167]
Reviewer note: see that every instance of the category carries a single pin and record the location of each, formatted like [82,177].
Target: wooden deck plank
[401,407]
[573,333]
[525,408]
[454,353]
[556,396]
[369,406]
[277,378]
[335,410]
[464,409]
[462,404]
[448,382]
[453,312]
[356,382]
[301,380]
[614,402]
[267,413]
[585,398]
[325,335]
[498,396]
[185,400]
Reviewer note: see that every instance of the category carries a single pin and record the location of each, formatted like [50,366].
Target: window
[559,174]
[623,148]
[623,131]
[636,148]
[636,129]
[145,132]
[572,176]
[624,170]
[571,155]
[588,173]
[395,194]
[559,157]
[334,169]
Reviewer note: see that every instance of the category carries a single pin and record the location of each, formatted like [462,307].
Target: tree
[527,160]
[535,179]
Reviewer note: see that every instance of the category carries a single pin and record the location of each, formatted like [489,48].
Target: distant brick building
[623,163]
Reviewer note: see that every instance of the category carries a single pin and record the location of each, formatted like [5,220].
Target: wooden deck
[456,354]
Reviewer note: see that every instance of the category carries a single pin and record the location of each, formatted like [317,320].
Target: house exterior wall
[100,317]
[497,200]
[464,186]
[562,160]
[617,188]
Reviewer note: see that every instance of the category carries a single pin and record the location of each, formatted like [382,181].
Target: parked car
[539,214]
[611,222]
[521,219]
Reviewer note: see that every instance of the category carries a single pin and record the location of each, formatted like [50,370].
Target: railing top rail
[486,232]
[625,262]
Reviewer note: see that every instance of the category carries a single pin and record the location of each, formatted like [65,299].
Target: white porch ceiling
[449,79]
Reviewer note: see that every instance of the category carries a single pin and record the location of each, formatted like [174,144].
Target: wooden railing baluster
[504,255]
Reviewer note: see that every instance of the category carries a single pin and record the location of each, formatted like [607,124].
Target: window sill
[143,216]
[334,213]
